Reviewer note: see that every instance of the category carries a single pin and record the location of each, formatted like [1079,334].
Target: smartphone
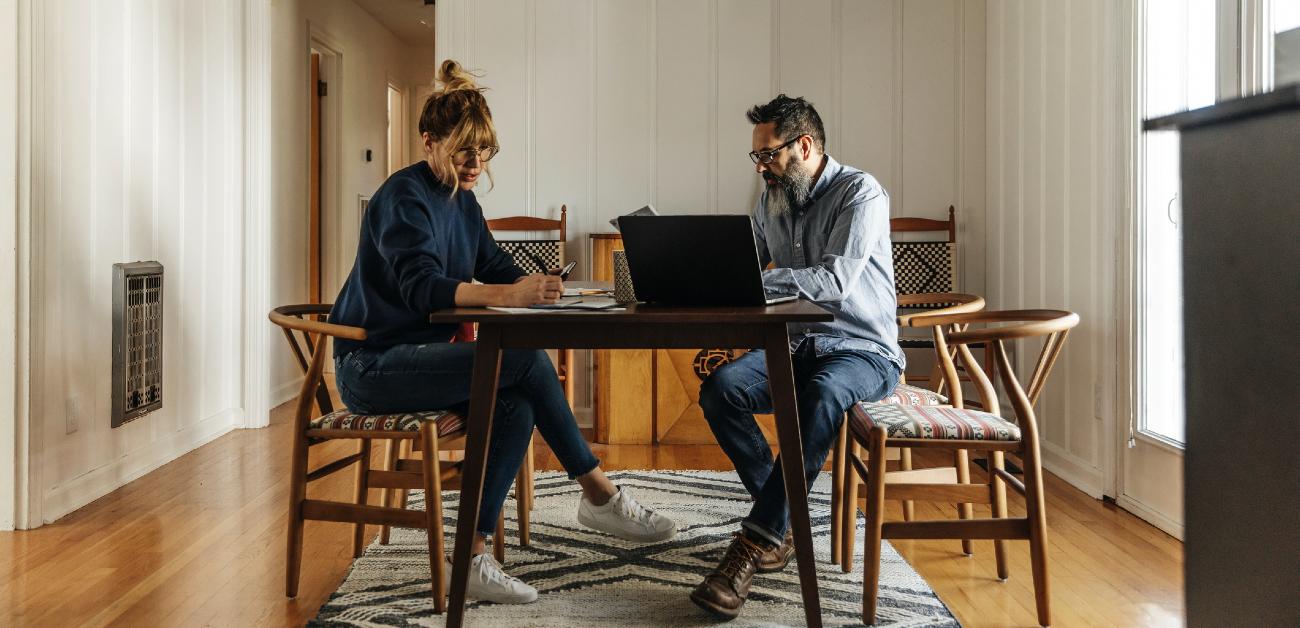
[568,268]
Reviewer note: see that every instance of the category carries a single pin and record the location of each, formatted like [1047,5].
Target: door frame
[331,210]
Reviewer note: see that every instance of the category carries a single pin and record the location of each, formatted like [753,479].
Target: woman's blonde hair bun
[453,78]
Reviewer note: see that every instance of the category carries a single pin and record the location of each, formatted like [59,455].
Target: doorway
[396,128]
[323,163]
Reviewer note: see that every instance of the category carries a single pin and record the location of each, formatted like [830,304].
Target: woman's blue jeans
[436,376]
[825,385]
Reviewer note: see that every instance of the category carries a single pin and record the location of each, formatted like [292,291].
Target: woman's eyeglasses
[484,153]
[766,156]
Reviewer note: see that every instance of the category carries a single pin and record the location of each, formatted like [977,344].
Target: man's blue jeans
[825,385]
[436,376]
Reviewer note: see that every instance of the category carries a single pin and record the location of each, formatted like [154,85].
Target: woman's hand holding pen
[533,289]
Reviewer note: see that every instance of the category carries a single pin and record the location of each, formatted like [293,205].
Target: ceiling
[404,18]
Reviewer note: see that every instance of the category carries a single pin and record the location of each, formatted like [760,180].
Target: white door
[1190,54]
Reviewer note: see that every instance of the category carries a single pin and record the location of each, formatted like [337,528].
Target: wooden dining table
[636,326]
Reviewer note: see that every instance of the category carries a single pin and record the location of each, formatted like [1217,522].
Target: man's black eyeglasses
[766,156]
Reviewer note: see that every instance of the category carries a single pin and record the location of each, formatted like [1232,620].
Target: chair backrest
[953,335]
[925,266]
[310,349]
[550,251]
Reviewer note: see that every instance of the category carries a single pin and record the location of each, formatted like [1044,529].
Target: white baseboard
[1151,516]
[285,392]
[84,489]
[1075,470]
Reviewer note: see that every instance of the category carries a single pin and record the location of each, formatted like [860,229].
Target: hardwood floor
[200,541]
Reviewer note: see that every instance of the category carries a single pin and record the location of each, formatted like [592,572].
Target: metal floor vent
[137,340]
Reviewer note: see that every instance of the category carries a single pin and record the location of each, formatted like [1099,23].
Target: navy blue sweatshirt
[417,245]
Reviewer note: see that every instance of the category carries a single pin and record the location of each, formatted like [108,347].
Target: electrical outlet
[72,418]
[1097,397]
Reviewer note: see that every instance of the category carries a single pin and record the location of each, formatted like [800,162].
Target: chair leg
[531,493]
[837,479]
[849,512]
[998,497]
[392,453]
[363,495]
[1037,515]
[433,514]
[905,463]
[523,502]
[964,511]
[499,539]
[875,507]
[565,358]
[936,380]
[297,493]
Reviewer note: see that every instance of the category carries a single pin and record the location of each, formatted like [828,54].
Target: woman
[423,239]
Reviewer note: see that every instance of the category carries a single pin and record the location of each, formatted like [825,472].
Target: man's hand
[532,289]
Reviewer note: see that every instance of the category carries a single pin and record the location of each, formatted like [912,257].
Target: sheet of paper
[578,292]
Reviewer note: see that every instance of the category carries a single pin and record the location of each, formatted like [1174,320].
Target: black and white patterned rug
[589,579]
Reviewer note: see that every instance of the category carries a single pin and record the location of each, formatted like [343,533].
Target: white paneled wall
[1056,190]
[136,153]
[608,106]
[13,300]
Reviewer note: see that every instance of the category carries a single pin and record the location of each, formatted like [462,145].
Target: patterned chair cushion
[905,395]
[937,422]
[447,421]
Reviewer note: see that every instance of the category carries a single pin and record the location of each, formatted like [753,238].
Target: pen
[540,264]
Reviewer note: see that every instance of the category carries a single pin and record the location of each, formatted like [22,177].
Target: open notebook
[575,303]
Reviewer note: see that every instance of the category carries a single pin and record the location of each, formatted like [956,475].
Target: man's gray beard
[792,190]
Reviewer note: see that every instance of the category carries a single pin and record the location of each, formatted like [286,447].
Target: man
[826,227]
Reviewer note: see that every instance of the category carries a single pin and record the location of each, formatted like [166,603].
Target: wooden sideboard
[651,396]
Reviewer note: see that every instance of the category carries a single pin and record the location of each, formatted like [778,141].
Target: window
[1286,42]
[1178,72]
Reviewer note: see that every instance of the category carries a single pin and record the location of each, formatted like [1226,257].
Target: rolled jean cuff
[587,467]
[772,537]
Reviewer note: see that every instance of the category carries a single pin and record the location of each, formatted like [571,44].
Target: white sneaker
[624,518]
[489,583]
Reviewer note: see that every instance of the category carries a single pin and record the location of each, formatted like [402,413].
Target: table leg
[483,397]
[780,375]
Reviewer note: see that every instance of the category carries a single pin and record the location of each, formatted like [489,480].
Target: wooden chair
[552,253]
[434,430]
[877,426]
[927,267]
[844,485]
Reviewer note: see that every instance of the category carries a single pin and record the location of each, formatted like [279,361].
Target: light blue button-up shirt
[836,251]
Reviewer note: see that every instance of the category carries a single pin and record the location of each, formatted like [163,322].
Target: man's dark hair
[793,117]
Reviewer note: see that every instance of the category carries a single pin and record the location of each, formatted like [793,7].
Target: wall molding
[257,215]
[286,392]
[1152,516]
[31,182]
[13,157]
[68,497]
[1082,474]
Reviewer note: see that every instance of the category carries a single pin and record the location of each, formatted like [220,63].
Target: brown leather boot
[723,592]
[778,557]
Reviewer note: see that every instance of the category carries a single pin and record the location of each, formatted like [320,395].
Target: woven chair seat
[930,422]
[448,422]
[905,395]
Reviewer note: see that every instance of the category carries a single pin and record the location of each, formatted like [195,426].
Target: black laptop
[695,260]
